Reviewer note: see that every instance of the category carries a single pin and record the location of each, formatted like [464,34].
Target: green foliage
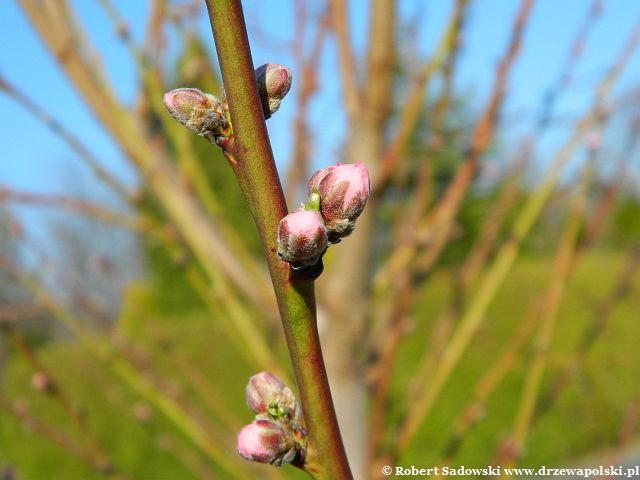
[569,429]
[468,225]
[139,440]
[625,224]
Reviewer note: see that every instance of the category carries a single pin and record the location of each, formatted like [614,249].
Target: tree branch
[258,178]
[350,90]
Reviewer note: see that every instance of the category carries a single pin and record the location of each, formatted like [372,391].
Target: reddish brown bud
[274,82]
[202,113]
[265,441]
[344,190]
[302,238]
[263,390]
[41,382]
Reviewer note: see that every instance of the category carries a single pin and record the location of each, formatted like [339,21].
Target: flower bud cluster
[208,116]
[337,197]
[276,435]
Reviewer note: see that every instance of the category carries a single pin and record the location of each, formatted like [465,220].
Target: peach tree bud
[263,392]
[202,113]
[271,399]
[302,238]
[344,190]
[41,382]
[265,441]
[274,82]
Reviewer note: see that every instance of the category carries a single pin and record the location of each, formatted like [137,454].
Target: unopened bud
[344,190]
[266,394]
[262,390]
[265,441]
[202,113]
[41,382]
[302,238]
[274,82]
[593,140]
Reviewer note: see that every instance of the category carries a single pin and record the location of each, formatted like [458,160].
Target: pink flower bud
[344,190]
[263,390]
[202,113]
[302,238]
[593,140]
[265,441]
[41,382]
[274,82]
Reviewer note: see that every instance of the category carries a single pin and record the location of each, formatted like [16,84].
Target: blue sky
[34,159]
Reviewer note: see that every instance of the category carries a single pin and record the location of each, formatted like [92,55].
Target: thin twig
[575,52]
[474,261]
[103,352]
[350,88]
[435,228]
[414,104]
[555,291]
[186,214]
[181,142]
[599,321]
[494,277]
[100,213]
[67,136]
[94,450]
[307,85]
[20,412]
[347,289]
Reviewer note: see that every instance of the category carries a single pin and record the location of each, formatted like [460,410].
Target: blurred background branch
[483,310]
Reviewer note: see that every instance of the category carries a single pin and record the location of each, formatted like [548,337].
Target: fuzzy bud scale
[302,238]
[344,190]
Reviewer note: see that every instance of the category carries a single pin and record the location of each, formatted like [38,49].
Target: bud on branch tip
[276,435]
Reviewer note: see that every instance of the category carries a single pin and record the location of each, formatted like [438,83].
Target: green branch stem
[256,172]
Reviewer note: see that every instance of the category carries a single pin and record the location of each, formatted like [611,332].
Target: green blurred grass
[586,417]
[590,409]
